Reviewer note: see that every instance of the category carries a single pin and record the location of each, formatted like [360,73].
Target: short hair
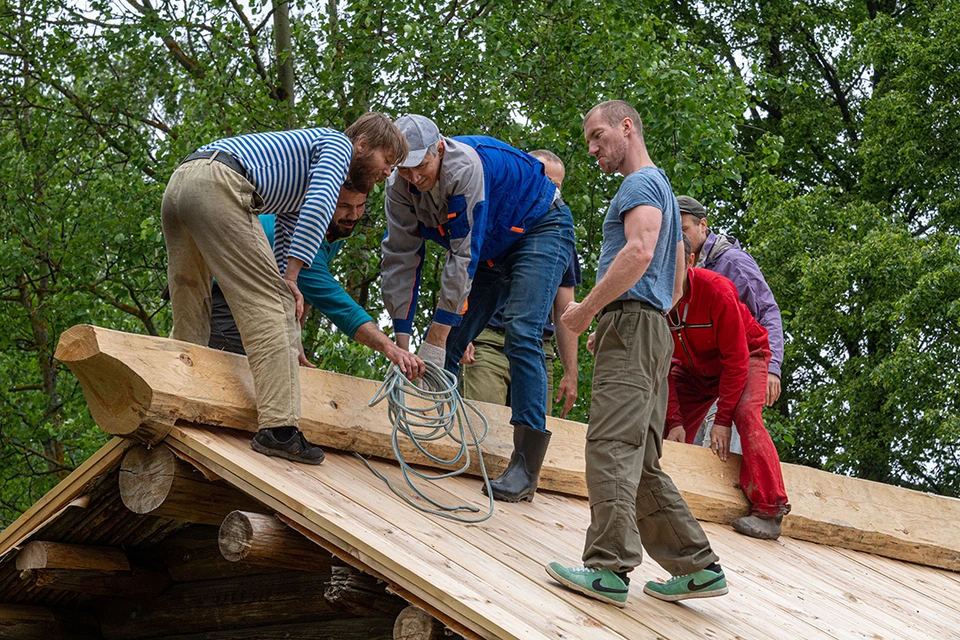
[614,112]
[349,185]
[687,248]
[543,155]
[380,133]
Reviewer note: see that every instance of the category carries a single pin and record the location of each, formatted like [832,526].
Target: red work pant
[760,475]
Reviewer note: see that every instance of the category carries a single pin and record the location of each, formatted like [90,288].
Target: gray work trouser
[632,501]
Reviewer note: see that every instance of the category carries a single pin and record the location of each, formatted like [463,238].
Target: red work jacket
[713,336]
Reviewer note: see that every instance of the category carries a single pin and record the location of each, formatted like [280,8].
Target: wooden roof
[487,580]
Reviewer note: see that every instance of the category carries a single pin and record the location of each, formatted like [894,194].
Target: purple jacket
[724,255]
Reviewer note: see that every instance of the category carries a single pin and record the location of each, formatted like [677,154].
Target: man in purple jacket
[724,255]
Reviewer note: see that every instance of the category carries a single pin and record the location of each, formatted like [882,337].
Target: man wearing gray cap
[724,255]
[509,238]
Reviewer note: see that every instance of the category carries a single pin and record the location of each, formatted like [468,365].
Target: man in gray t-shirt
[633,503]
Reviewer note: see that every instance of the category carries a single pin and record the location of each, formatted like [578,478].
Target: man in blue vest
[509,238]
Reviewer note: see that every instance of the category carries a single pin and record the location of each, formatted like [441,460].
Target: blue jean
[524,279]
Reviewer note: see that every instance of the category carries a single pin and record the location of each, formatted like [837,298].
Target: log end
[146,478]
[32,556]
[77,343]
[236,536]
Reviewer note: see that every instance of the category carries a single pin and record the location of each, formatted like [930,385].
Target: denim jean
[524,279]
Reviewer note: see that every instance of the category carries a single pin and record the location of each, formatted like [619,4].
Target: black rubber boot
[519,481]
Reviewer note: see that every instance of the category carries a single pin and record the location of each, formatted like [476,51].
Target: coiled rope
[438,412]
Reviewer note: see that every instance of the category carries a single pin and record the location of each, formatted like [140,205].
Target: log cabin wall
[99,571]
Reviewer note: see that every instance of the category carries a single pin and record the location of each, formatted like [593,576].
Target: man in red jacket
[721,353]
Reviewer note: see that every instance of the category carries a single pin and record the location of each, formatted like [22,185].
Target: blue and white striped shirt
[298,174]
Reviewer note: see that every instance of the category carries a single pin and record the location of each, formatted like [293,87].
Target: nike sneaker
[706,583]
[601,584]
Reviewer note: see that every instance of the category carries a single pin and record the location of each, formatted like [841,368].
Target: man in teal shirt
[321,289]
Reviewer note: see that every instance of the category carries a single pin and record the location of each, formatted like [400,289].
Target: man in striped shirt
[211,230]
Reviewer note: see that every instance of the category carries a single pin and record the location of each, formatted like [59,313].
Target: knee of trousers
[613,471]
[655,494]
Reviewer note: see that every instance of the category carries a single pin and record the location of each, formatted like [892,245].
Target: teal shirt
[321,289]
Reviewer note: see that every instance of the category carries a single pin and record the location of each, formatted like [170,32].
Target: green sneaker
[702,584]
[601,584]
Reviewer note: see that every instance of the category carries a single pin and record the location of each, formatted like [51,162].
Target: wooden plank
[856,603]
[58,499]
[926,581]
[57,555]
[132,380]
[483,602]
[522,543]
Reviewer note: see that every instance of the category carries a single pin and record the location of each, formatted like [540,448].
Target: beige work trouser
[632,501]
[211,229]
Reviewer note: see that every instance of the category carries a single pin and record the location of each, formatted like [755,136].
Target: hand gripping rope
[440,412]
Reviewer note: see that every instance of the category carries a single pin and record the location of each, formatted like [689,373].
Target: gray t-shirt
[646,186]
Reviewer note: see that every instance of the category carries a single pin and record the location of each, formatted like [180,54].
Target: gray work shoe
[758,527]
[296,449]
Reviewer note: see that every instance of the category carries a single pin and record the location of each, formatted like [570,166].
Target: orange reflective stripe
[464,307]
[489,263]
[440,229]
[451,215]
[516,229]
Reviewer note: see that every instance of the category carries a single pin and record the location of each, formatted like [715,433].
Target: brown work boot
[759,527]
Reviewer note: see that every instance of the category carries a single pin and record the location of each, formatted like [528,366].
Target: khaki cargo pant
[211,229]
[631,499]
[488,379]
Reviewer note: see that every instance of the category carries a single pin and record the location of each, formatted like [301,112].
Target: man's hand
[403,341]
[302,358]
[410,365]
[432,353]
[290,277]
[306,312]
[568,391]
[677,434]
[576,318]
[295,290]
[469,355]
[720,441]
[591,342]
[773,389]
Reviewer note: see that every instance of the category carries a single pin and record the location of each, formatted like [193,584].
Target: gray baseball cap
[420,133]
[692,207]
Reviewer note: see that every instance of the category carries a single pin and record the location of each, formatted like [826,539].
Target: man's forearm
[625,271]
[370,336]
[566,341]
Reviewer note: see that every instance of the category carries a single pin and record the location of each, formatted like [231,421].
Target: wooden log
[155,482]
[416,624]
[142,583]
[361,594]
[349,629]
[288,597]
[57,555]
[24,622]
[126,377]
[193,554]
[264,540]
